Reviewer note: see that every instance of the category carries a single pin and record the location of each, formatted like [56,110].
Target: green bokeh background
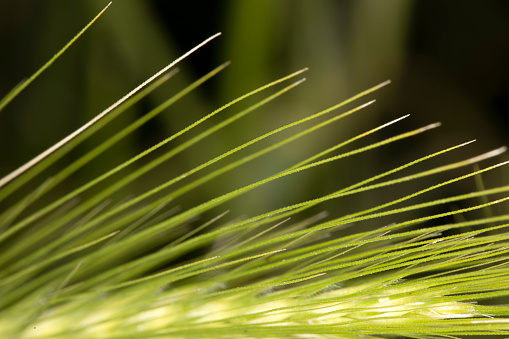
[447,61]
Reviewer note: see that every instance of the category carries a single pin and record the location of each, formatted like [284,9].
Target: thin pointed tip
[431,126]
[366,104]
[224,65]
[172,72]
[298,82]
[400,118]
[377,87]
[468,142]
[211,38]
[488,155]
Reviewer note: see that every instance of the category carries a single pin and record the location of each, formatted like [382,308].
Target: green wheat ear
[137,268]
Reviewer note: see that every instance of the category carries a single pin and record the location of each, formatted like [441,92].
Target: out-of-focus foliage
[447,61]
[91,254]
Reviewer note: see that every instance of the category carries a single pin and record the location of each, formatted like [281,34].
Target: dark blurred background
[448,62]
